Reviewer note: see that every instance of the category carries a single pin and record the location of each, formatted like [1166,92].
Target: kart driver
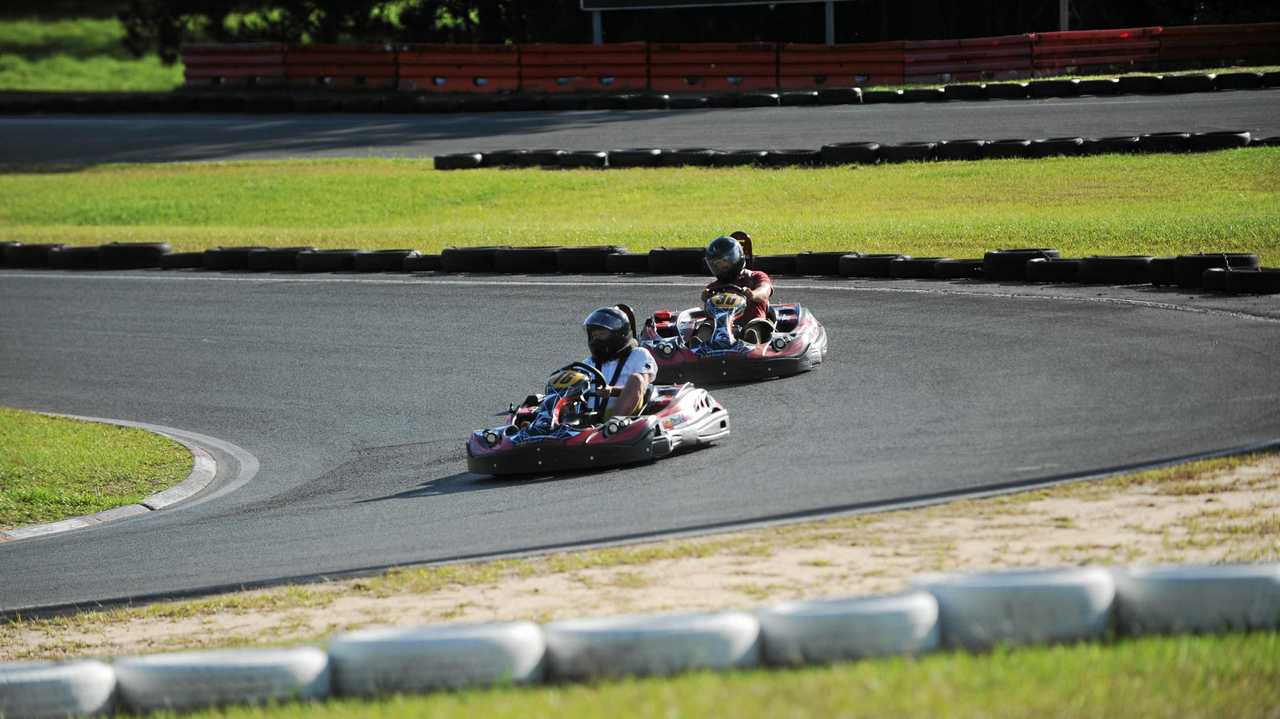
[727,260]
[615,352]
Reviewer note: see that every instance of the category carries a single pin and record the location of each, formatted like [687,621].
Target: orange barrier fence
[712,66]
[810,67]
[1056,52]
[570,68]
[237,65]
[341,66]
[459,68]
[723,67]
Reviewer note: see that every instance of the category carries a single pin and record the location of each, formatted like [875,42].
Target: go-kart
[706,345]
[562,429]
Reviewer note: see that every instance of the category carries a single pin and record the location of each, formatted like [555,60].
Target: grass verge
[1208,676]
[84,54]
[1151,204]
[53,468]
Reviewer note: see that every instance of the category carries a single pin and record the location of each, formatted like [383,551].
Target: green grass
[1211,676]
[1152,204]
[77,55]
[53,468]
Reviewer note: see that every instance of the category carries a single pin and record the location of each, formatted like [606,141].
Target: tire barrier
[73,258]
[959,149]
[581,159]
[820,263]
[4,248]
[793,158]
[958,611]
[382,260]
[1219,140]
[374,662]
[469,259]
[1187,83]
[1164,142]
[627,262]
[422,263]
[908,152]
[1008,91]
[1006,265]
[1140,84]
[1114,144]
[654,645]
[46,689]
[914,268]
[687,157]
[229,258]
[459,161]
[1189,269]
[1020,607]
[739,158]
[774,264]
[1102,87]
[1263,281]
[526,260]
[851,153]
[1214,279]
[1163,272]
[182,261]
[1040,89]
[29,256]
[677,261]
[276,259]
[831,630]
[195,680]
[641,157]
[798,98]
[585,260]
[1006,149]
[1042,269]
[1058,146]
[873,265]
[962,269]
[1100,270]
[327,260]
[1239,81]
[1207,598]
[132,255]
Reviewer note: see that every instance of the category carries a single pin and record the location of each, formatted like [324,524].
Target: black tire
[1113,144]
[1053,88]
[229,258]
[648,101]
[503,158]
[1141,84]
[343,260]
[381,260]
[915,268]
[925,94]
[1040,269]
[1112,270]
[908,152]
[966,92]
[677,261]
[627,262]
[1271,79]
[1007,149]
[1163,271]
[793,158]
[182,261]
[687,157]
[1189,268]
[874,97]
[74,258]
[688,102]
[1011,265]
[526,260]
[1239,81]
[29,256]
[363,104]
[316,104]
[759,99]
[218,102]
[1214,279]
[962,269]
[1101,87]
[565,103]
[1187,83]
[739,158]
[404,104]
[585,260]
[607,102]
[469,259]
[276,259]
[520,103]
[1165,142]
[459,161]
[541,158]
[268,104]
[4,248]
[422,263]
[820,263]
[875,265]
[1273,141]
[1220,140]
[1007,91]
[798,98]
[477,103]
[1264,281]
[851,153]
[840,96]
[132,255]
[723,100]
[1058,146]
[960,149]
[635,157]
[584,159]
[774,264]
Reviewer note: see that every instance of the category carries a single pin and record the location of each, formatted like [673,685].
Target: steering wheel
[597,387]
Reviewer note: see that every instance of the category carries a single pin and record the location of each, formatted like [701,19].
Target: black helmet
[608,332]
[725,258]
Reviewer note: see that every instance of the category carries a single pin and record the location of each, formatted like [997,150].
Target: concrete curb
[203,470]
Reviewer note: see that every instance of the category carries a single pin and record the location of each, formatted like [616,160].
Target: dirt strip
[1213,511]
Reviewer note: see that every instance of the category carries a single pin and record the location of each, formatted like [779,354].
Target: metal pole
[597,28]
[1064,15]
[831,22]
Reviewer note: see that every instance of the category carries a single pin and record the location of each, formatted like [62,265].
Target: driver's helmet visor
[600,334]
[722,266]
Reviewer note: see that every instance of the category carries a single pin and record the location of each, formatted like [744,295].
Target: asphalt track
[355,394]
[93,139]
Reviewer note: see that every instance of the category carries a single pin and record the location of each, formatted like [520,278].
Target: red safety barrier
[984,58]
[574,68]
[342,66]
[713,66]
[808,67]
[460,68]
[1054,53]
[233,65]
[1218,44]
